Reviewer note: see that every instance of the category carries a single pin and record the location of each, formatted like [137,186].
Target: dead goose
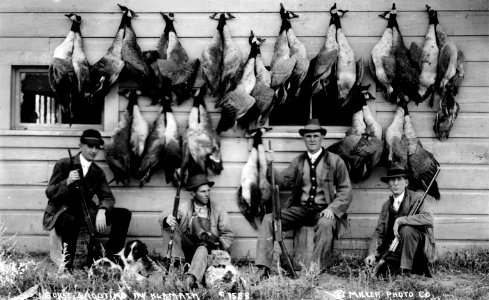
[62,76]
[173,148]
[139,129]
[383,63]
[173,62]
[118,149]
[212,58]
[105,72]
[80,63]
[201,143]
[134,60]
[397,149]
[231,58]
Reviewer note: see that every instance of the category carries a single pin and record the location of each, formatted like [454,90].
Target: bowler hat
[198,180]
[312,125]
[395,170]
[91,137]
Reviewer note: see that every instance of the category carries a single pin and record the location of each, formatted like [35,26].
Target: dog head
[134,256]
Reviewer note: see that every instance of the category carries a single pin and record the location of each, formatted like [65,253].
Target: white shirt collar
[201,210]
[85,164]
[314,156]
[397,201]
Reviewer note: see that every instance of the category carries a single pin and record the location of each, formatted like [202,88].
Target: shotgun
[86,212]
[176,203]
[277,219]
[413,211]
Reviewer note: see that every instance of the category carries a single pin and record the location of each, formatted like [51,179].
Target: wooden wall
[30,31]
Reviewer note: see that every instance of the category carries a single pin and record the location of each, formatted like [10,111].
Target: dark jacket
[61,196]
[334,178]
[220,224]
[422,220]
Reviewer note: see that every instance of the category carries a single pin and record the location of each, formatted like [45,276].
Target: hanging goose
[263,183]
[231,58]
[154,149]
[201,143]
[326,57]
[373,135]
[262,92]
[212,58]
[346,69]
[249,197]
[396,147]
[421,162]
[283,63]
[134,60]
[297,50]
[428,57]
[383,63]
[237,103]
[173,149]
[80,62]
[118,149]
[174,63]
[105,73]
[357,148]
[139,129]
[406,81]
[62,76]
[449,108]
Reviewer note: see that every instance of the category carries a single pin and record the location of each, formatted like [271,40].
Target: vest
[312,192]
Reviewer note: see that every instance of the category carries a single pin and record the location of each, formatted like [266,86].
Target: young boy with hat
[64,210]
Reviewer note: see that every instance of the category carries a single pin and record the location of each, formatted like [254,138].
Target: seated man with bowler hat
[201,226]
[415,232]
[321,194]
[64,209]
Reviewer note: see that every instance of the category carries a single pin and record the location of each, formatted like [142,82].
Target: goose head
[127,12]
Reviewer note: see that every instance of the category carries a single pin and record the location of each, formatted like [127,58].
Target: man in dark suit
[414,232]
[64,210]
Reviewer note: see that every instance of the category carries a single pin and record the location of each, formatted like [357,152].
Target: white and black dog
[136,263]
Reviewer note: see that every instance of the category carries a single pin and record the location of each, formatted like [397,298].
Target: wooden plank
[157,199]
[198,24]
[231,6]
[21,173]
[17,44]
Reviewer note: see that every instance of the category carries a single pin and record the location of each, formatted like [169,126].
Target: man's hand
[209,238]
[327,213]
[72,177]
[100,222]
[370,260]
[399,221]
[171,220]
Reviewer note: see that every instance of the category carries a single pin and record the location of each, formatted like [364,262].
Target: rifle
[86,212]
[413,211]
[176,203]
[277,220]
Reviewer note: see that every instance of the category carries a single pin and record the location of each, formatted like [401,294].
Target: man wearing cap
[321,194]
[200,227]
[415,232]
[64,211]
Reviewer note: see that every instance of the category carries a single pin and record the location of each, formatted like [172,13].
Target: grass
[458,275]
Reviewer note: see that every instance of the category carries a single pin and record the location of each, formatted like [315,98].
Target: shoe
[405,273]
[190,282]
[263,272]
[285,266]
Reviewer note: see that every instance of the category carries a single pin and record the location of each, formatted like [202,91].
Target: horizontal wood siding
[31,30]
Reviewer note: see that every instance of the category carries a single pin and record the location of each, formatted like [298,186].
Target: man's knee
[325,224]
[407,231]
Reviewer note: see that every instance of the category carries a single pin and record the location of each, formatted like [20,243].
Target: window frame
[16,123]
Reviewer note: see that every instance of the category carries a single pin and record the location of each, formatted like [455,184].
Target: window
[35,106]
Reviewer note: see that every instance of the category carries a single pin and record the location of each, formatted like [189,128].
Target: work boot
[283,262]
[190,282]
[263,272]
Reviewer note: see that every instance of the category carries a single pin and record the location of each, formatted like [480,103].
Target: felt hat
[198,180]
[92,137]
[312,125]
[396,170]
